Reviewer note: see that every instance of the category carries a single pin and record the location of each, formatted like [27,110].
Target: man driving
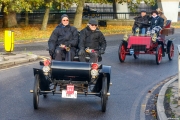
[92,42]
[63,40]
[141,22]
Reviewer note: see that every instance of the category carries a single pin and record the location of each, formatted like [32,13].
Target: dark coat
[141,22]
[157,21]
[92,39]
[67,35]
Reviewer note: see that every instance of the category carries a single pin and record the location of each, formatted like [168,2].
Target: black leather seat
[168,24]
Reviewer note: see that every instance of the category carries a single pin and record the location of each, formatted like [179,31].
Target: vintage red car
[136,44]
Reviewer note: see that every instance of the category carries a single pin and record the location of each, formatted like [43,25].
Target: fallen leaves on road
[33,32]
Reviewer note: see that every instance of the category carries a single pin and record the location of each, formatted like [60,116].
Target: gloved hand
[82,52]
[101,51]
[67,44]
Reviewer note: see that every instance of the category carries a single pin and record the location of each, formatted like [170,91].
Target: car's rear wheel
[122,52]
[159,54]
[104,94]
[136,56]
[36,92]
[170,50]
[45,95]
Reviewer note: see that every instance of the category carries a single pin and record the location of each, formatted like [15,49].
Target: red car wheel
[159,54]
[171,51]
[122,52]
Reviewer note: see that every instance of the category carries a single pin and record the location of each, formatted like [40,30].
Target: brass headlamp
[137,31]
[125,38]
[154,37]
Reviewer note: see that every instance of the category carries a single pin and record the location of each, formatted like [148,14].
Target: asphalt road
[131,82]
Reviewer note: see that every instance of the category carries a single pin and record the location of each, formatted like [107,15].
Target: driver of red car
[141,22]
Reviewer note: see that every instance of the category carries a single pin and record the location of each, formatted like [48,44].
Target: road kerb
[160,101]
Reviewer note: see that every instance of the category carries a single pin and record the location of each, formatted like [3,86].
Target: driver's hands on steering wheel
[62,46]
[139,25]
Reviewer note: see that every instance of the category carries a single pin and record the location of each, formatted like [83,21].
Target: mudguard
[105,71]
[37,71]
[44,83]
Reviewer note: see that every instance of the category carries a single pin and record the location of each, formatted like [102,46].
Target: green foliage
[20,5]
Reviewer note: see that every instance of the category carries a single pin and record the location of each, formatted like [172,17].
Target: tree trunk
[26,18]
[78,15]
[114,10]
[45,19]
[9,20]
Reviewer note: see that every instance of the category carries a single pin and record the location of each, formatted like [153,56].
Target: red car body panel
[139,40]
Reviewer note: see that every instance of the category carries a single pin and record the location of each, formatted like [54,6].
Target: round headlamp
[46,69]
[125,38]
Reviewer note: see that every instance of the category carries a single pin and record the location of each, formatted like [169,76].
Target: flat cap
[93,21]
[143,10]
[64,15]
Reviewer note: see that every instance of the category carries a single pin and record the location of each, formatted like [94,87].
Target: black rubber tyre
[136,56]
[159,54]
[170,50]
[36,92]
[122,52]
[104,94]
[45,95]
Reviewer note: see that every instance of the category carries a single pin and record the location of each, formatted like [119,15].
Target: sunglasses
[93,25]
[65,20]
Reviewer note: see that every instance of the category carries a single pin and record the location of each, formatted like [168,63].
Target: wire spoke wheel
[122,52]
[104,94]
[36,92]
[136,56]
[171,51]
[159,54]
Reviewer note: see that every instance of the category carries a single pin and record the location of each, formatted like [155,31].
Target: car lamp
[94,71]
[94,66]
[46,69]
[46,62]
[125,38]
[154,37]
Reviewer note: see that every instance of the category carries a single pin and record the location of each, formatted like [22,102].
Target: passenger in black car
[91,42]
[62,38]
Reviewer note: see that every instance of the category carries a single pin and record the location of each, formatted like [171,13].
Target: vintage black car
[74,78]
[89,12]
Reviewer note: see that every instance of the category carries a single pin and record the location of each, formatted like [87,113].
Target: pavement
[12,59]
[164,112]
[175,107]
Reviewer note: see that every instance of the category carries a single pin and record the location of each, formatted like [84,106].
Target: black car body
[86,79]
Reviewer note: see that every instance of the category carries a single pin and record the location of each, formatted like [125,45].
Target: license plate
[69,92]
[131,51]
[65,95]
[70,89]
